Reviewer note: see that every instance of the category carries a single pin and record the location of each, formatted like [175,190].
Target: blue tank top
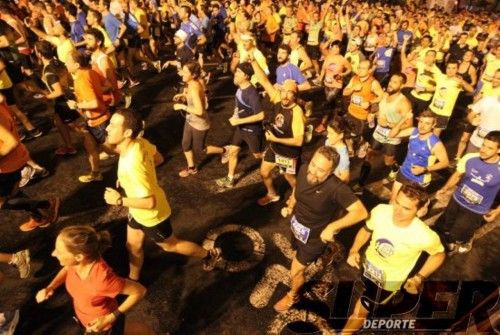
[384,56]
[420,154]
[479,185]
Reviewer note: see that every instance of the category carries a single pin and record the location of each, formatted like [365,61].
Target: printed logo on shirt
[384,247]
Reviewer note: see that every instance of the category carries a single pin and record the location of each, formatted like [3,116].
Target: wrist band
[116,313]
[420,276]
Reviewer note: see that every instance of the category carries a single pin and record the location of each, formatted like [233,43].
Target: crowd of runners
[367,79]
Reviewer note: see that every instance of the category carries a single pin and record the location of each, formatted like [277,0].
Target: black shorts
[8,181]
[134,41]
[270,156]
[374,296]
[441,121]
[386,148]
[193,139]
[468,128]
[309,252]
[66,114]
[400,178]
[356,127]
[418,105]
[157,233]
[313,51]
[253,140]
[99,132]
[9,96]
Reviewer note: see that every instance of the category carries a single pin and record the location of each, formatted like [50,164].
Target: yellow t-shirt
[142,18]
[63,49]
[137,176]
[393,250]
[425,79]
[492,65]
[5,81]
[445,96]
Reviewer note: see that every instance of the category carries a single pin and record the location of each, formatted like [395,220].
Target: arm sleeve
[254,101]
[298,76]
[344,196]
[433,243]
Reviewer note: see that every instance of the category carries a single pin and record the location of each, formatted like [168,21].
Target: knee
[265,172]
[134,248]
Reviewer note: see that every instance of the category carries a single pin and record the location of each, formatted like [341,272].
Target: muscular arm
[442,156]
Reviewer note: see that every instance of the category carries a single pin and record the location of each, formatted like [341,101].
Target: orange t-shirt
[95,295]
[357,98]
[88,88]
[17,158]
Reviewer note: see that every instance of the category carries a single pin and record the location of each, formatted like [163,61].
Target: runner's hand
[491,215]
[100,323]
[180,107]
[270,136]
[234,121]
[413,284]
[72,104]
[111,196]
[286,211]
[327,235]
[354,260]
[43,294]
[417,170]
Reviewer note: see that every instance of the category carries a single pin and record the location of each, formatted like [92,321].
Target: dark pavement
[182,298]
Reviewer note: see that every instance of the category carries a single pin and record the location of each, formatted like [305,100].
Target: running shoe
[32,224]
[308,135]
[464,248]
[21,260]
[267,199]
[36,133]
[26,175]
[188,172]
[214,256]
[225,182]
[157,66]
[65,151]
[91,177]
[308,108]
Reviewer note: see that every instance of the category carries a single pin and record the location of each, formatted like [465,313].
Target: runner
[91,282]
[284,131]
[247,120]
[13,157]
[478,180]
[149,210]
[397,239]
[320,199]
[426,153]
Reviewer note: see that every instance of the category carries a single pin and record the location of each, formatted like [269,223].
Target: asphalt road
[238,297]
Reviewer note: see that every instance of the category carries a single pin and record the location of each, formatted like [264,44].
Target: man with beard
[289,71]
[247,120]
[478,180]
[394,110]
[284,132]
[426,153]
[321,198]
[103,65]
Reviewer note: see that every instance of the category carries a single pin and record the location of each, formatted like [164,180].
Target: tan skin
[83,265]
[404,211]
[319,169]
[122,139]
[425,128]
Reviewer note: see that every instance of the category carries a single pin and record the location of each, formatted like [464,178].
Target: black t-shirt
[54,72]
[457,52]
[185,55]
[319,205]
[247,103]
[280,121]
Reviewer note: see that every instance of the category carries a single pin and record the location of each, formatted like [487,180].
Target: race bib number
[300,231]
[373,273]
[471,196]
[439,103]
[356,100]
[380,63]
[286,164]
[383,130]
